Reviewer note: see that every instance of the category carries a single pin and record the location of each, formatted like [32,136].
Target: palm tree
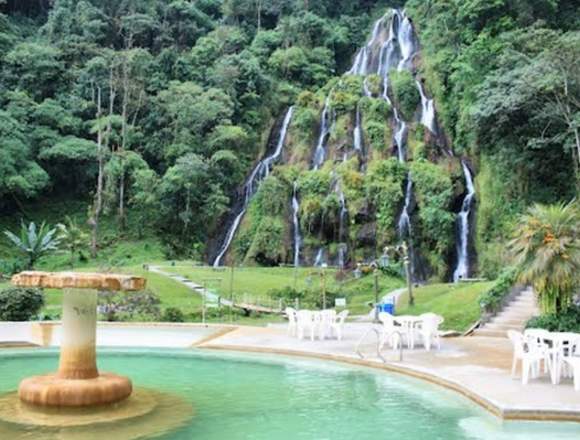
[34,244]
[546,247]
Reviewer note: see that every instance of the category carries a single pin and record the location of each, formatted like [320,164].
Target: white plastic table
[560,342]
[410,324]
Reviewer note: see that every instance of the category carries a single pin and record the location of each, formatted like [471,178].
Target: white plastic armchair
[338,324]
[429,330]
[291,315]
[573,361]
[535,338]
[529,355]
[305,320]
[327,319]
[390,330]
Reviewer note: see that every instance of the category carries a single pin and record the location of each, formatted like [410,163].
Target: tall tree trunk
[98,203]
[124,115]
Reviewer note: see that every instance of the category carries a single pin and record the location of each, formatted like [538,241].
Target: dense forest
[182,118]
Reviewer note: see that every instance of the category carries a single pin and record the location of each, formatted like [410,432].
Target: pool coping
[507,413]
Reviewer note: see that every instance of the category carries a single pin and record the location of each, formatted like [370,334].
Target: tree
[546,248]
[20,174]
[72,237]
[34,243]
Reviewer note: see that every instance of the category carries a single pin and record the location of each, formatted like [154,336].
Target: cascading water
[462,268]
[260,172]
[406,38]
[404,219]
[427,110]
[319,260]
[400,135]
[342,229]
[358,142]
[325,126]
[296,222]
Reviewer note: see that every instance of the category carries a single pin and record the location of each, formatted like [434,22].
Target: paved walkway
[476,367]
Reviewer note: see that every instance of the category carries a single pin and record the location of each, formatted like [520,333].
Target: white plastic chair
[305,320]
[324,325]
[390,330]
[567,359]
[429,330]
[573,361]
[291,315]
[336,326]
[536,338]
[530,357]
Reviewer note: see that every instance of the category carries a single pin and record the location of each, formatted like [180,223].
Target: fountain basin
[77,382]
[53,390]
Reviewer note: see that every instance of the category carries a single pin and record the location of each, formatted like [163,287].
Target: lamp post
[323,284]
[403,251]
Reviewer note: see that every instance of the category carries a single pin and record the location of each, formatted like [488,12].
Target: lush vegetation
[567,321]
[20,304]
[506,78]
[547,249]
[492,300]
[127,130]
[156,109]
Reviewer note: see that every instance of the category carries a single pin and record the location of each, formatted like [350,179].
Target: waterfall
[319,260]
[462,268]
[404,219]
[406,38]
[342,252]
[342,229]
[366,89]
[259,173]
[358,142]
[295,220]
[427,110]
[325,126]
[400,135]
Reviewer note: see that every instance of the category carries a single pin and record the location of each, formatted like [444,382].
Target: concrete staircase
[512,317]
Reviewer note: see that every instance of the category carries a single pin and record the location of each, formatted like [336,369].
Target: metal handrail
[378,333]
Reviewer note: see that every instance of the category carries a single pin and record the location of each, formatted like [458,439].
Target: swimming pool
[261,397]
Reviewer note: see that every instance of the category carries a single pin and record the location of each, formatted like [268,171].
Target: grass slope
[457,303]
[254,283]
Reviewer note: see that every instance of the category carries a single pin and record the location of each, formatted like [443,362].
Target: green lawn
[254,283]
[171,293]
[457,303]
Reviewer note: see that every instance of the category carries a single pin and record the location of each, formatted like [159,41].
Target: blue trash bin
[388,308]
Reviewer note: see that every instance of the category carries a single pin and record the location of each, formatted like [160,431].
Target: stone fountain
[77,381]
[78,400]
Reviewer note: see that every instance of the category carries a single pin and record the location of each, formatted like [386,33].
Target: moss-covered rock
[404,89]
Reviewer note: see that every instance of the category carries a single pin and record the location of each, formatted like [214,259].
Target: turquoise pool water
[271,398]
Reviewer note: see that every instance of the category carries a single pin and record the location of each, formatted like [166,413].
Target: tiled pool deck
[477,367]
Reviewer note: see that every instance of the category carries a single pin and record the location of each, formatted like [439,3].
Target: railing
[378,333]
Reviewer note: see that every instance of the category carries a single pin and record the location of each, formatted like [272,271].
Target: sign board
[340,302]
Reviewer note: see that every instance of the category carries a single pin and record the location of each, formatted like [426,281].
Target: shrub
[173,314]
[9,267]
[568,321]
[491,300]
[405,92]
[18,304]
[125,306]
